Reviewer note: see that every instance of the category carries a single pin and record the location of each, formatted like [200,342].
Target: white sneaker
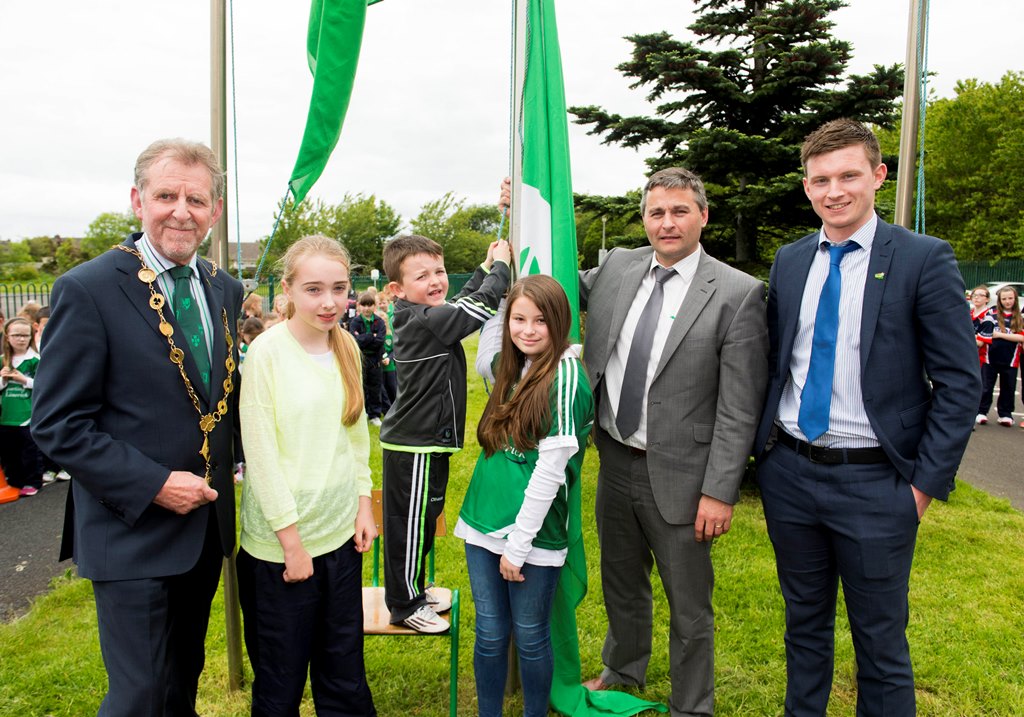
[63,475]
[981,420]
[49,477]
[426,620]
[375,422]
[1005,421]
[437,600]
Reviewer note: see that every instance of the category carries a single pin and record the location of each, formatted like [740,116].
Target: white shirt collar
[865,236]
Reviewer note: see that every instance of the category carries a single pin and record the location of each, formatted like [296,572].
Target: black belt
[820,454]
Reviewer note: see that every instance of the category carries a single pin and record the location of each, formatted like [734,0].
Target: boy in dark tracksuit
[426,423]
[369,331]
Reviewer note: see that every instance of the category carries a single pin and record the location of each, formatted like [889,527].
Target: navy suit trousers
[857,524]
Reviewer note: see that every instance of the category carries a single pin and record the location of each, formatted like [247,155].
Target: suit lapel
[878,267]
[632,276]
[790,293]
[697,297]
[138,295]
[137,290]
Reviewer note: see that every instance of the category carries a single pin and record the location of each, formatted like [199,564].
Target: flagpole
[519,27]
[219,251]
[905,178]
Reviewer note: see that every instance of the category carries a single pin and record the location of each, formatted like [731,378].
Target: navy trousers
[152,636]
[857,524]
[315,626]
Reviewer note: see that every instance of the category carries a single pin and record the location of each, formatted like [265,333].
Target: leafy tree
[736,105]
[67,256]
[464,232]
[106,230]
[360,223]
[616,219]
[41,248]
[973,146]
[14,253]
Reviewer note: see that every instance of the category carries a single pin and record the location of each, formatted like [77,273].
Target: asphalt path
[30,531]
[30,528]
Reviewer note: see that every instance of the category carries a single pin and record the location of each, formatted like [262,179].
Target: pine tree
[735,106]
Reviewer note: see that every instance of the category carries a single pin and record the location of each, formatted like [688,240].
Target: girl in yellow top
[306,516]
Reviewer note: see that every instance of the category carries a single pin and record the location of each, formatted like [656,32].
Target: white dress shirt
[675,288]
[848,421]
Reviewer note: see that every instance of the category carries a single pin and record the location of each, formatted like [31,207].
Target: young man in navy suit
[137,401]
[873,385]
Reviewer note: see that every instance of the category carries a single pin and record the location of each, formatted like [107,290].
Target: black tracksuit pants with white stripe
[413,486]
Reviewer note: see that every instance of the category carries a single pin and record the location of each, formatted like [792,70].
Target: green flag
[547,242]
[548,246]
[333,40]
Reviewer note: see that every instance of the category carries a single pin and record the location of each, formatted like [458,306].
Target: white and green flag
[546,244]
[547,233]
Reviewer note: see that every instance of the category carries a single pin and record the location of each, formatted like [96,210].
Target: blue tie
[816,399]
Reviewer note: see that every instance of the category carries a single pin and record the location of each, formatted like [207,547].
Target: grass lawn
[966,625]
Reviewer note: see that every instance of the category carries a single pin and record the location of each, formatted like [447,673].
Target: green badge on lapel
[880,275]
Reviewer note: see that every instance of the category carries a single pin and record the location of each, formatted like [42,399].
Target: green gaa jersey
[16,400]
[499,482]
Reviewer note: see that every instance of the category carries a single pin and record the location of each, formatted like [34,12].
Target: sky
[87,86]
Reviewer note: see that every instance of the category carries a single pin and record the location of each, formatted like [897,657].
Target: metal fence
[15,296]
[980,272]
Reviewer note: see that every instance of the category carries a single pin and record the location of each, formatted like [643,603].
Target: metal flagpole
[911,114]
[519,28]
[219,251]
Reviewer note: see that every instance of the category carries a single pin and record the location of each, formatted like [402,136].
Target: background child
[389,377]
[515,515]
[426,423]
[252,307]
[1002,329]
[979,307]
[51,471]
[305,514]
[247,333]
[21,459]
[369,331]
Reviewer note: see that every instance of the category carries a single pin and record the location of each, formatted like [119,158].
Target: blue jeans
[501,607]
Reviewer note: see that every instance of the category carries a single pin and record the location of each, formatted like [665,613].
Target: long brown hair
[346,351]
[519,410]
[1016,321]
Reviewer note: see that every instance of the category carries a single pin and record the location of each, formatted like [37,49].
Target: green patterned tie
[190,320]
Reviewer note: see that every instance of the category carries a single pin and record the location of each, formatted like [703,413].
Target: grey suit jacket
[710,382]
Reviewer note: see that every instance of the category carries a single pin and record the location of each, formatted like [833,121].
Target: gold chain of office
[207,421]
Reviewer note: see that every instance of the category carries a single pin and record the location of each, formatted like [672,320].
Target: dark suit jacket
[702,405]
[111,408]
[919,361]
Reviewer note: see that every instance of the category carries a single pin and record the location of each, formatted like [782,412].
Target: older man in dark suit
[874,387]
[136,398]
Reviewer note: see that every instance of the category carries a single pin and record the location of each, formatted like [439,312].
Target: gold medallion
[222,407]
[146,275]
[206,423]
[166,329]
[230,363]
[177,355]
[228,386]
[156,301]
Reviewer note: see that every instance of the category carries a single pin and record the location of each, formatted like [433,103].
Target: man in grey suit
[678,389]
